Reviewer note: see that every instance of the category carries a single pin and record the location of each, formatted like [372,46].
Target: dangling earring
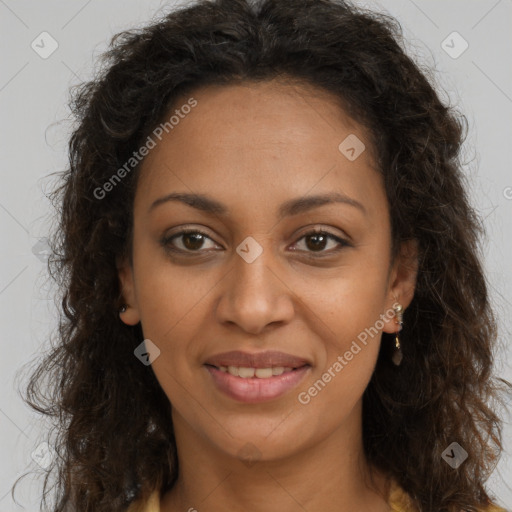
[122,309]
[397,353]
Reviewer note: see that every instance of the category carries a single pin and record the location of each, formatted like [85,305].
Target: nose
[255,295]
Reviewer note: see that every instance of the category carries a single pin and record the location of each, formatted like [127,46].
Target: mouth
[245,372]
[254,378]
[256,360]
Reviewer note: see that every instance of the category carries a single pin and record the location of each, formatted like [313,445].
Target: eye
[192,241]
[316,241]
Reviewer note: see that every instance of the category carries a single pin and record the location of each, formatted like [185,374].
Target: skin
[253,147]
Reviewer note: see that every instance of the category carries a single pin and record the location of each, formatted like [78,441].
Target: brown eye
[191,241]
[317,241]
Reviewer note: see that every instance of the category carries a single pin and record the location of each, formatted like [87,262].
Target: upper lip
[266,359]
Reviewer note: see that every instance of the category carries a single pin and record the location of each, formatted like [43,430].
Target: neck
[331,475]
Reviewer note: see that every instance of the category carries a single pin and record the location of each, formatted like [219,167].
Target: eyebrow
[291,207]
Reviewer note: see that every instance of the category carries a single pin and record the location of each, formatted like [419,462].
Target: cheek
[169,296]
[348,357]
[171,309]
[351,299]
[355,340]
[351,309]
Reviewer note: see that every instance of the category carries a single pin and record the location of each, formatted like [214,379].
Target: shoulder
[151,504]
[494,508]
[399,501]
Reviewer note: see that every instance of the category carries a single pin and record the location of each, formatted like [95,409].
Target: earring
[397,353]
[122,309]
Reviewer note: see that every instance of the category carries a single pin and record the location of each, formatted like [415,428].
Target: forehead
[259,139]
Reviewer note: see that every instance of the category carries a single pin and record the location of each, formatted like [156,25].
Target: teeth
[260,373]
[263,373]
[245,372]
[233,370]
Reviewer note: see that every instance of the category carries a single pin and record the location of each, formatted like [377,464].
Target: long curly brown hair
[112,429]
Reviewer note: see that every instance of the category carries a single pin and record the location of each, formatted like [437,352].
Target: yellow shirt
[398,501]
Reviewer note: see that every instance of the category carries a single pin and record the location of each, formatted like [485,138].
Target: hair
[112,421]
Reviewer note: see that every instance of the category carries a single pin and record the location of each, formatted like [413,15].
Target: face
[263,268]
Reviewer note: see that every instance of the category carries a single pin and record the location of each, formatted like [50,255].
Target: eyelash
[166,242]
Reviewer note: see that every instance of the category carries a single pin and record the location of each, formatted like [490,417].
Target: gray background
[35,126]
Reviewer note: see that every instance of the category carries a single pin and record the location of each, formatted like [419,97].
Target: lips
[266,359]
[258,377]
[254,390]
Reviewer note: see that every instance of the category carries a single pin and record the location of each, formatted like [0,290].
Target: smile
[255,385]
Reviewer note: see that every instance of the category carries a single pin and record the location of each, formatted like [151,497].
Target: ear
[402,281]
[126,280]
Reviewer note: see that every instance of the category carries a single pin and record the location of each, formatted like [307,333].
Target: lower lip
[254,390]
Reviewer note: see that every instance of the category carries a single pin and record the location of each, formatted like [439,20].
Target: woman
[273,292]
